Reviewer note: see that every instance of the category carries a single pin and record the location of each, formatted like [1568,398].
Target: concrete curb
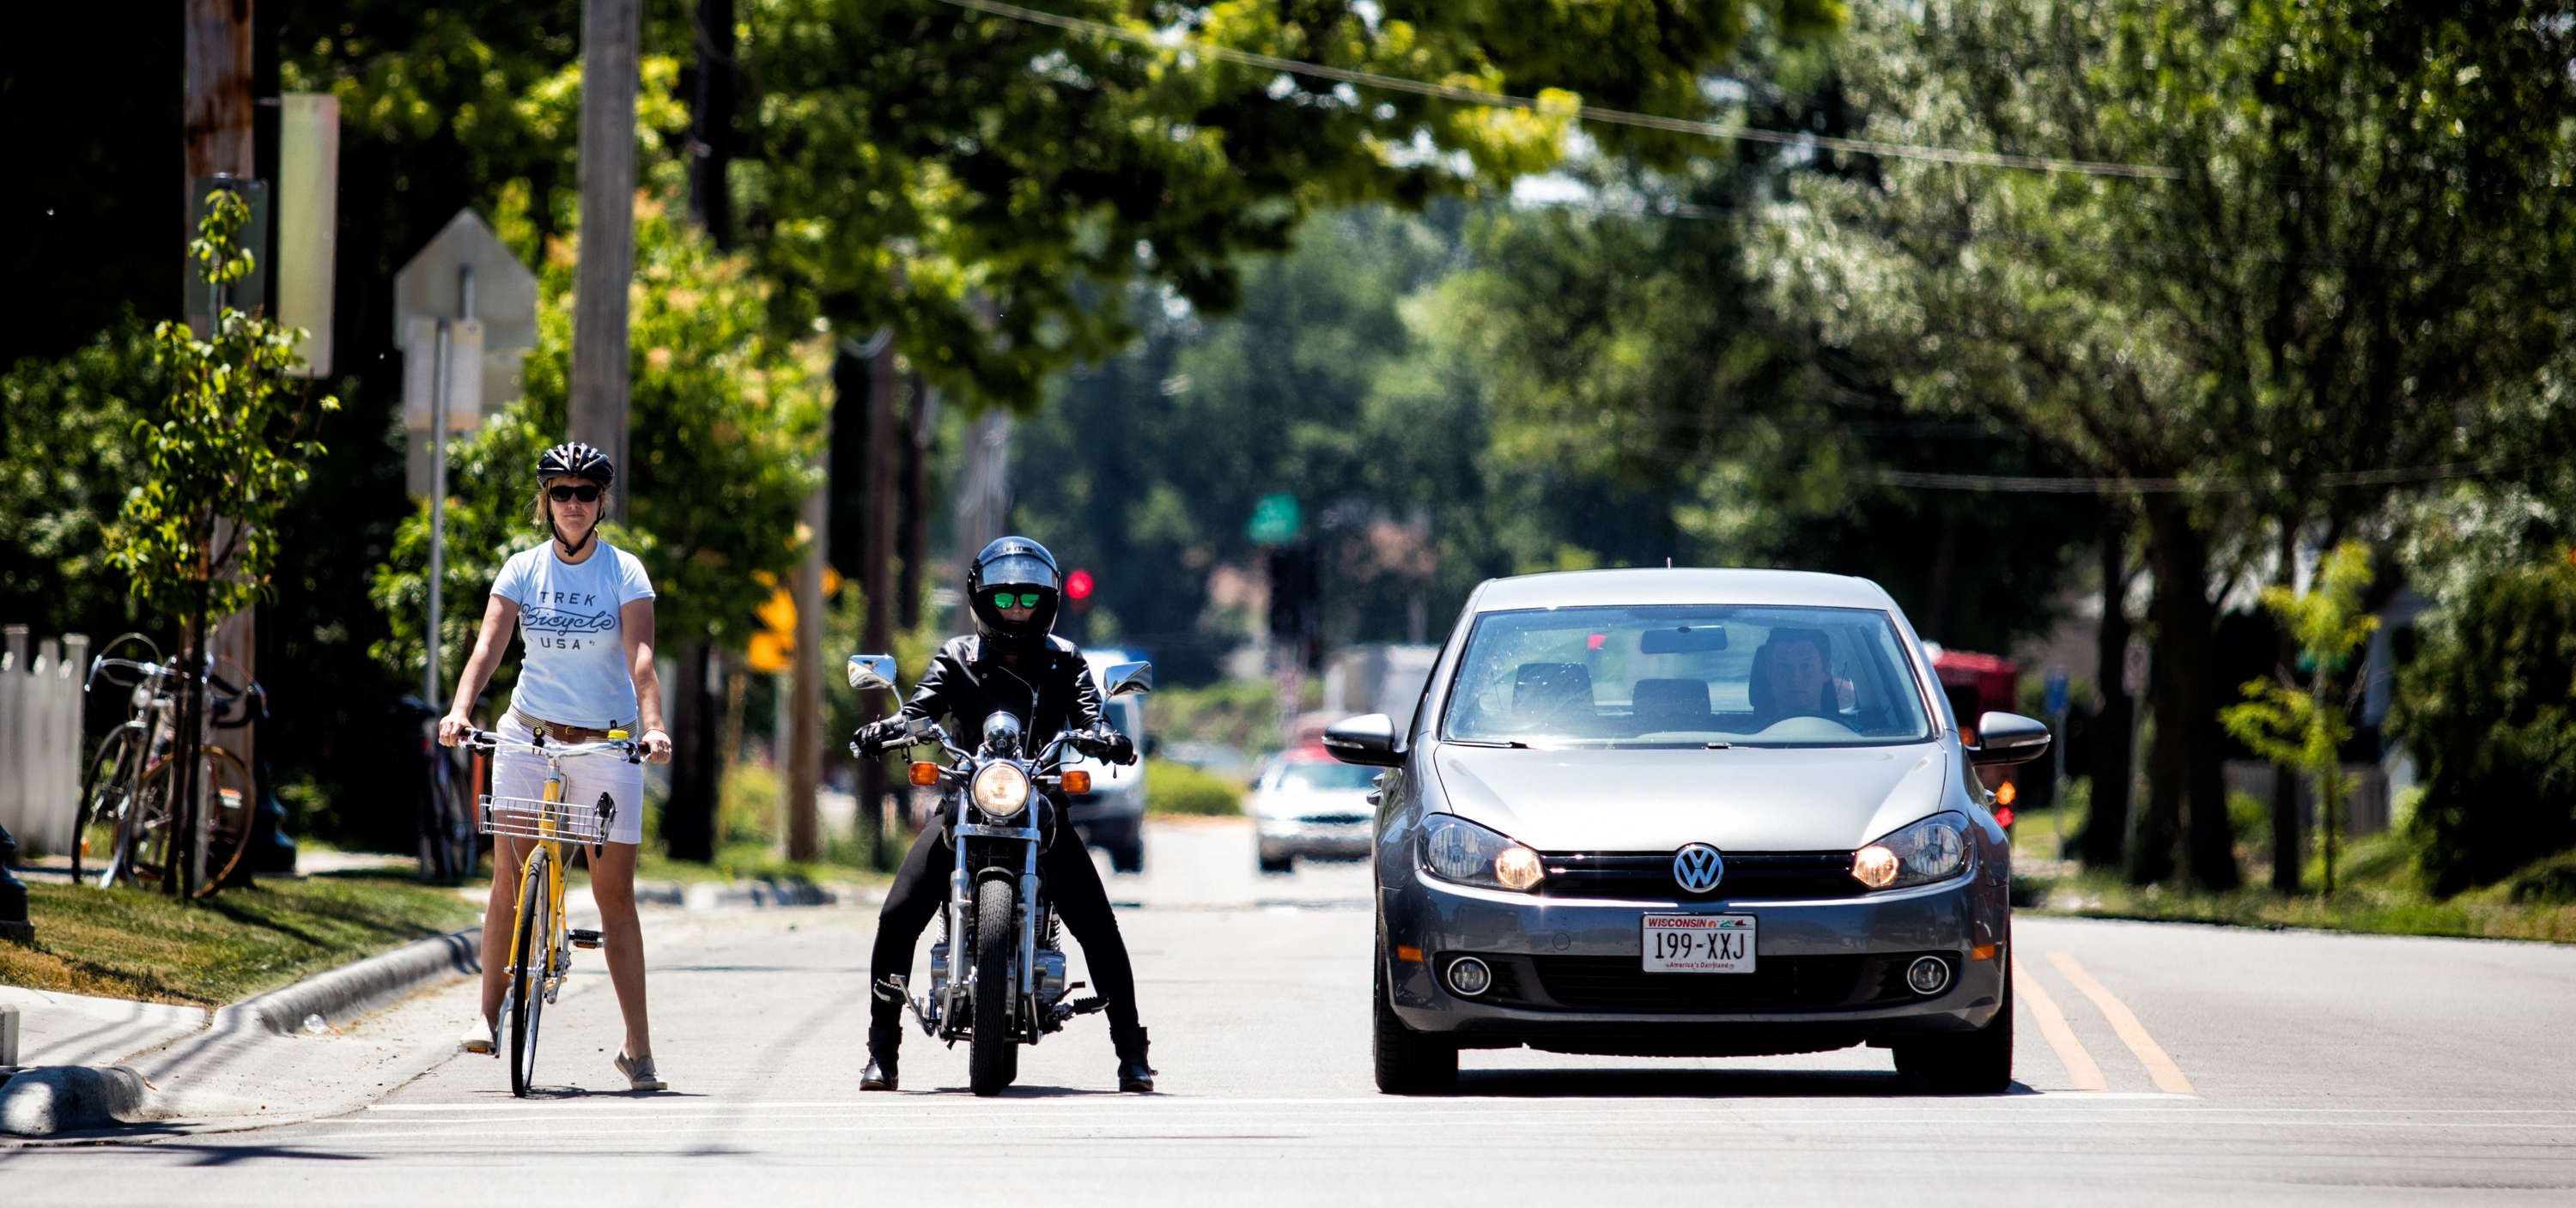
[351,988]
[68,1098]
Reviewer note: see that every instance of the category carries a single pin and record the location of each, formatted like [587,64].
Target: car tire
[1408,1062]
[1130,855]
[1978,1063]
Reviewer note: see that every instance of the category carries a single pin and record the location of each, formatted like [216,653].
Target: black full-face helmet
[1025,572]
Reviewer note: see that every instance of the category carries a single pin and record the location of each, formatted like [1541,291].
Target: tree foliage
[222,454]
[2489,708]
[726,425]
[2305,726]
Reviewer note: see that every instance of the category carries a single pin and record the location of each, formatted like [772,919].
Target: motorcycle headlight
[1934,849]
[1001,790]
[1455,849]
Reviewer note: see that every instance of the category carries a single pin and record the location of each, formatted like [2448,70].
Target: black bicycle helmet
[1026,571]
[578,460]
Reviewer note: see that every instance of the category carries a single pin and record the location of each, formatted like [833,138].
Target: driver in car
[1013,664]
[1792,677]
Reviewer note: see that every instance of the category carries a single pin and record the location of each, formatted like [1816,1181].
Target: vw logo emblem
[1698,868]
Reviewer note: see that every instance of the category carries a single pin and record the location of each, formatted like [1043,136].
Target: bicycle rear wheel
[232,807]
[528,975]
[107,790]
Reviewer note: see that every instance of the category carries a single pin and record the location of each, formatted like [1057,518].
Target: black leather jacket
[1050,691]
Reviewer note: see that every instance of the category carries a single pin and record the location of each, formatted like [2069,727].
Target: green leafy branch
[2305,726]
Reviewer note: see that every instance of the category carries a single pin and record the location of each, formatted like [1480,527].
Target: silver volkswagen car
[1688,812]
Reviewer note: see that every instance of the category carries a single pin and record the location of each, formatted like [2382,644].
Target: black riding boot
[1133,1074]
[882,1045]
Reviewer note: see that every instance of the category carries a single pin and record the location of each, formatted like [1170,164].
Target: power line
[2191,486]
[1589,113]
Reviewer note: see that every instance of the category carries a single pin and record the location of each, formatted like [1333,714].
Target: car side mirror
[1367,740]
[2009,738]
[1128,679]
[869,672]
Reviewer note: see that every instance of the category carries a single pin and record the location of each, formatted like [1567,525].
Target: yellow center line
[2167,1075]
[2080,1067]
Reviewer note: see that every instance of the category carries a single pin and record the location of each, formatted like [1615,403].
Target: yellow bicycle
[541,944]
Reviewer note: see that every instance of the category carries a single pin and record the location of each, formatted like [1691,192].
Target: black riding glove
[877,735]
[1107,746]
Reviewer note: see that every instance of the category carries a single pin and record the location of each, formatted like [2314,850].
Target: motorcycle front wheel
[992,1055]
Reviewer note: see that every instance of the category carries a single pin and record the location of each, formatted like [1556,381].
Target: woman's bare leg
[501,919]
[612,886]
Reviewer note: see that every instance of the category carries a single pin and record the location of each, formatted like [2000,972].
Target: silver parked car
[1688,812]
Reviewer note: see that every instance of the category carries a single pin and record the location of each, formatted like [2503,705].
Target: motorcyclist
[1012,663]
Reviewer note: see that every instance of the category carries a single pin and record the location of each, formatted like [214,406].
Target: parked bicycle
[130,814]
[450,846]
[541,943]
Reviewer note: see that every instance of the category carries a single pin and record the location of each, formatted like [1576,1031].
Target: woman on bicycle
[585,615]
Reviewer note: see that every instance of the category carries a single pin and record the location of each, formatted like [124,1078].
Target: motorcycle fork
[1027,961]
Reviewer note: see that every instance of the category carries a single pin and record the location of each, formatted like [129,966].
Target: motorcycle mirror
[869,672]
[1128,679]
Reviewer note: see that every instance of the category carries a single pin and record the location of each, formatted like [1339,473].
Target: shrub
[2486,707]
[1178,788]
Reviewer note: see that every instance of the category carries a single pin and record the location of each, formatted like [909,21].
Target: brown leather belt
[558,731]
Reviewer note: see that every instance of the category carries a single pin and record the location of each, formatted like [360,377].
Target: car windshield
[1686,676]
[1303,777]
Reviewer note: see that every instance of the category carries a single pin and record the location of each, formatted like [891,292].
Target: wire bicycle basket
[534,818]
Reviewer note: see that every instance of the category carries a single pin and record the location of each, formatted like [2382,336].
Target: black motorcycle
[1011,990]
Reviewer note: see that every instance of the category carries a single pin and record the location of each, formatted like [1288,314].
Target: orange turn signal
[2006,794]
[1077,781]
[1982,952]
[1407,952]
[925,773]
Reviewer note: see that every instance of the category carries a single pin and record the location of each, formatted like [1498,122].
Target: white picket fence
[40,738]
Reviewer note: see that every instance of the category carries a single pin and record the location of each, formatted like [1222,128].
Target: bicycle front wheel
[107,792]
[535,947]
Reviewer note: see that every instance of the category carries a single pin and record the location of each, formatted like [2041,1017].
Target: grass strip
[133,944]
[2370,911]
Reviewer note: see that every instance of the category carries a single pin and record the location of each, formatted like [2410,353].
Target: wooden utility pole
[610,30]
[219,141]
[876,577]
[805,704]
[712,120]
[912,545]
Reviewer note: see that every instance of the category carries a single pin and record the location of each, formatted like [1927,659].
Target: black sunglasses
[586,493]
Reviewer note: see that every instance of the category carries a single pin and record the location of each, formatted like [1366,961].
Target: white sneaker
[639,1072]
[481,1037]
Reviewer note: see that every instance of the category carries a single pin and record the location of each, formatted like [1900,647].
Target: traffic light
[1077,589]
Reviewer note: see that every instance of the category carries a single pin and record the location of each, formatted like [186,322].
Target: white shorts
[523,774]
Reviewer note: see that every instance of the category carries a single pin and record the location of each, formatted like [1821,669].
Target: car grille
[1335,819]
[1779,985]
[1649,875]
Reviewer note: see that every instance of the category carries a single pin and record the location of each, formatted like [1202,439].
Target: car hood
[1741,799]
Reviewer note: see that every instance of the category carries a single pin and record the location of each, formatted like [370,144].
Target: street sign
[2057,691]
[308,222]
[464,273]
[1275,520]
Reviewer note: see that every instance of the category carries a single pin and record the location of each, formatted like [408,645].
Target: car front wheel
[1978,1063]
[1408,1062]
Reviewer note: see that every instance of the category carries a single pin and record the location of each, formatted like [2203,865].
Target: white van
[1112,815]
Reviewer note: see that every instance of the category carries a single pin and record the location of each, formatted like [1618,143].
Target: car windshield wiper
[1513,744]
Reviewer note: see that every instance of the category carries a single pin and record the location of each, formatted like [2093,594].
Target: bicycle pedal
[584,939]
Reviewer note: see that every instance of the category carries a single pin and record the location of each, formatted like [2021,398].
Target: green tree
[67,457]
[220,457]
[2305,726]
[2360,243]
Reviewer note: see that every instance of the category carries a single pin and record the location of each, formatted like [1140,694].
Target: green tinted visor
[1004,599]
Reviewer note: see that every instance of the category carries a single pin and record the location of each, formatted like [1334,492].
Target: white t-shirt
[575,666]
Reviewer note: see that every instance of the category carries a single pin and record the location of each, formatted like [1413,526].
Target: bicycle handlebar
[486,740]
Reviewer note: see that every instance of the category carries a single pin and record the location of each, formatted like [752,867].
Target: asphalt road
[2231,1066]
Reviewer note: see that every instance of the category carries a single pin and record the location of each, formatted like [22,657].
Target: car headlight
[1455,849]
[1001,790]
[1934,849]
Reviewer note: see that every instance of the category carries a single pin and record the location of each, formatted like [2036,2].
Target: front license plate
[1699,943]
